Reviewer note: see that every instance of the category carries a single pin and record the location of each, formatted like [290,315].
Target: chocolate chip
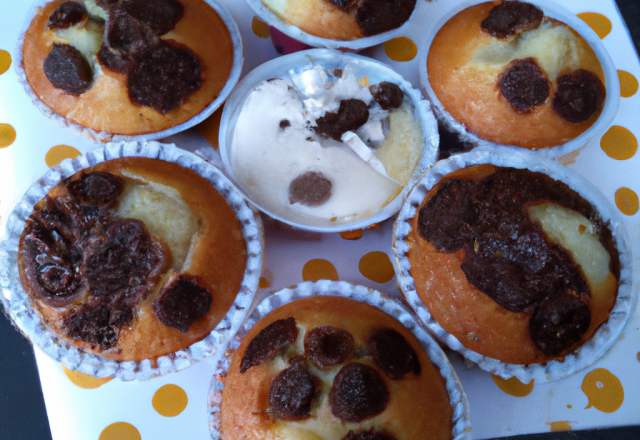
[269,342]
[160,15]
[579,96]
[91,323]
[310,189]
[114,60]
[55,278]
[164,77]
[451,143]
[126,259]
[347,5]
[524,85]
[96,188]
[127,34]
[387,95]
[182,302]
[351,115]
[358,392]
[284,124]
[67,14]
[368,435]
[377,16]
[327,346]
[291,393]
[558,322]
[393,354]
[510,17]
[67,69]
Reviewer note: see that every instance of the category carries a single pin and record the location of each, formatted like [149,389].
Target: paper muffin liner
[606,335]
[296,33]
[105,136]
[552,10]
[461,427]
[329,60]
[17,302]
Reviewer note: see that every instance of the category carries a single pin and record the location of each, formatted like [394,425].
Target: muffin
[131,68]
[511,75]
[517,265]
[329,366]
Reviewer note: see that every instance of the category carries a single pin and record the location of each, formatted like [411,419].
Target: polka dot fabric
[174,406]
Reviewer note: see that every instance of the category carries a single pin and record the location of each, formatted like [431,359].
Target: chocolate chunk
[387,94]
[368,435]
[559,322]
[393,354]
[451,143]
[510,17]
[67,69]
[127,34]
[115,60]
[377,16]
[164,77]
[524,85]
[126,260]
[358,392]
[579,96]
[269,342]
[346,5]
[96,188]
[182,302]
[327,346]
[160,15]
[291,393]
[285,123]
[351,115]
[91,323]
[67,14]
[310,189]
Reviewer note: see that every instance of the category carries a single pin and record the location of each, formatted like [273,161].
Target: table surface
[22,410]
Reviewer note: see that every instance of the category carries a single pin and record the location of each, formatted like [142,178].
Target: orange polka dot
[513,386]
[560,426]
[352,235]
[627,201]
[603,389]
[628,84]
[260,28]
[619,143]
[170,400]
[5,61]
[569,406]
[638,356]
[210,128]
[319,269]
[376,267]
[7,135]
[600,24]
[120,431]
[264,283]
[84,380]
[401,49]
[59,153]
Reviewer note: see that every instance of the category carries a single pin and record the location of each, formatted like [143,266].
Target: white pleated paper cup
[329,60]
[461,425]
[106,136]
[555,11]
[606,335]
[18,304]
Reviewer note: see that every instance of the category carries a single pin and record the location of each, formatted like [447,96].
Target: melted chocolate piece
[368,435]
[284,124]
[310,189]
[524,85]
[387,95]
[164,77]
[269,342]
[127,34]
[160,15]
[96,188]
[559,322]
[91,323]
[55,277]
[327,346]
[393,354]
[451,143]
[377,16]
[358,392]
[291,393]
[114,60]
[67,69]
[347,5]
[510,17]
[182,302]
[351,115]
[67,14]
[579,96]
[126,260]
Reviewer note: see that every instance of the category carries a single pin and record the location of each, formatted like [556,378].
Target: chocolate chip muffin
[332,367]
[132,259]
[128,68]
[513,76]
